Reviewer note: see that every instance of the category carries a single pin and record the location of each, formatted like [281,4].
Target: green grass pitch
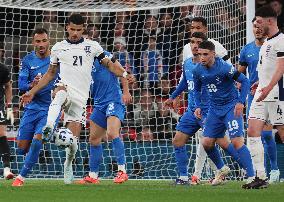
[134,191]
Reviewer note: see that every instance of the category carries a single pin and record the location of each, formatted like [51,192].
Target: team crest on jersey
[268,50]
[87,49]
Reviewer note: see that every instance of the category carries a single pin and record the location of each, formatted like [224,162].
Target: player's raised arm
[117,70]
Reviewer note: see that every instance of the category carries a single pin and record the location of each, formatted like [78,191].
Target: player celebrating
[226,106]
[272,107]
[5,99]
[249,59]
[75,56]
[189,124]
[34,118]
[106,119]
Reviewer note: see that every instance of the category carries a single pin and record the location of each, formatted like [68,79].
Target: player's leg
[59,99]
[4,146]
[270,149]
[257,117]
[71,151]
[31,123]
[115,116]
[5,153]
[96,150]
[186,127]
[276,110]
[199,161]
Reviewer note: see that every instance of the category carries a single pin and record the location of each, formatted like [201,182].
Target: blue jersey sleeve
[180,88]
[242,59]
[23,83]
[197,88]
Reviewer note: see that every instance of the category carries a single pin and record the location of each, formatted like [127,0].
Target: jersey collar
[275,35]
[77,42]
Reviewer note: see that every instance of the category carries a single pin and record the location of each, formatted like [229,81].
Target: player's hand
[130,78]
[197,113]
[238,85]
[239,108]
[35,81]
[10,115]
[168,103]
[177,104]
[253,88]
[264,92]
[126,98]
[26,99]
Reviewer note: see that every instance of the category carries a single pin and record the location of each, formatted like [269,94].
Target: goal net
[147,37]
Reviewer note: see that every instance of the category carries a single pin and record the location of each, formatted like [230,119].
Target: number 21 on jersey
[78,60]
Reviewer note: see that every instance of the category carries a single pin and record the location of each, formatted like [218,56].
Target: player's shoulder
[222,63]
[249,45]
[186,46]
[30,56]
[187,62]
[60,45]
[215,42]
[91,43]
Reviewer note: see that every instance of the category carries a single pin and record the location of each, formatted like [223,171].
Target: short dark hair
[77,19]
[254,19]
[207,45]
[200,19]
[199,35]
[39,31]
[266,12]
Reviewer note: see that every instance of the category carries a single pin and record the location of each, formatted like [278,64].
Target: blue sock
[215,156]
[118,149]
[270,148]
[32,157]
[96,155]
[233,153]
[181,160]
[245,160]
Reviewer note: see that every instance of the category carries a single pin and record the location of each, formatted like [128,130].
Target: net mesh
[147,37]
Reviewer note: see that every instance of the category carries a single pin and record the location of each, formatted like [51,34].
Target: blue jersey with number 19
[105,85]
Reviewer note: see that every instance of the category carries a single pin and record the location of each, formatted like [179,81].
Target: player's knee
[95,141]
[112,134]
[237,142]
[252,132]
[23,147]
[208,144]
[179,140]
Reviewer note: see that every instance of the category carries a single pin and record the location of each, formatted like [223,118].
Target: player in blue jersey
[189,124]
[106,119]
[249,57]
[226,106]
[34,118]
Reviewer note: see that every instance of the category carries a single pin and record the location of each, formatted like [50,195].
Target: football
[63,137]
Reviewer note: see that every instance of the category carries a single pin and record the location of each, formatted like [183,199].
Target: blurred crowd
[148,44]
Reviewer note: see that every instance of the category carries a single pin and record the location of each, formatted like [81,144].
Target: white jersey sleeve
[53,54]
[221,51]
[97,49]
[186,53]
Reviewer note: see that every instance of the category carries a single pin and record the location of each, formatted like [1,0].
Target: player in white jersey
[199,24]
[75,57]
[271,108]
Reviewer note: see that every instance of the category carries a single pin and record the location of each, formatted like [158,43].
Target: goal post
[139,33]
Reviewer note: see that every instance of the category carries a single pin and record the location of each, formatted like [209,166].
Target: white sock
[256,149]
[200,159]
[121,168]
[55,107]
[184,178]
[94,175]
[71,151]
